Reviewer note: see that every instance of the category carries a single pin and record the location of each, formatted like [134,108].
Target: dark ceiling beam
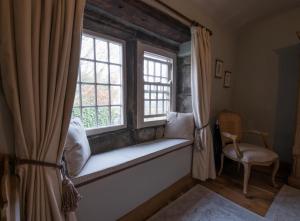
[143,17]
[100,22]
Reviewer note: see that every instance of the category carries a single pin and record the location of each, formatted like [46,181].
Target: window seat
[104,164]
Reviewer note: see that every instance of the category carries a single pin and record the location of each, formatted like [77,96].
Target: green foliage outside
[89,118]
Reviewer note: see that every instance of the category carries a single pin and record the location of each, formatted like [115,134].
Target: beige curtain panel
[201,84]
[40,49]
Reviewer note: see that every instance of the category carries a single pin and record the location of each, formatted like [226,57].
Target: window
[99,98]
[156,87]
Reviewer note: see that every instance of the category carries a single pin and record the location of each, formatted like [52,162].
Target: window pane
[164,71]
[76,112]
[166,106]
[160,96]
[115,53]
[145,67]
[146,107]
[153,95]
[101,50]
[157,95]
[153,88]
[77,97]
[153,107]
[115,95]
[103,116]
[89,117]
[100,66]
[164,80]
[116,115]
[157,69]
[115,74]
[102,95]
[151,68]
[87,48]
[102,73]
[87,71]
[160,107]
[88,95]
[166,93]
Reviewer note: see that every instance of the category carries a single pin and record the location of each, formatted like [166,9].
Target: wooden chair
[247,154]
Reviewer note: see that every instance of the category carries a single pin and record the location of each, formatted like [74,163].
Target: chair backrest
[230,122]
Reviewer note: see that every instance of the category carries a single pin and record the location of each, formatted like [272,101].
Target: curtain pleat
[40,49]
[201,84]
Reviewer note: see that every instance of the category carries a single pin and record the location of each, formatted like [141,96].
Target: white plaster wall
[114,196]
[257,80]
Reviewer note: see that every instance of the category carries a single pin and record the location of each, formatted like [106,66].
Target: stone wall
[183,97]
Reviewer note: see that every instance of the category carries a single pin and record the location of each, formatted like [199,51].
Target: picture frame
[219,68]
[227,79]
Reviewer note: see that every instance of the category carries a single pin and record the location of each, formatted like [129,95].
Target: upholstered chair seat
[250,153]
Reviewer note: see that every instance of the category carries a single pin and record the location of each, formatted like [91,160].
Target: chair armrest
[263,136]
[236,146]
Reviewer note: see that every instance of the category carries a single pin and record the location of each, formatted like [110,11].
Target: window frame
[141,48]
[100,130]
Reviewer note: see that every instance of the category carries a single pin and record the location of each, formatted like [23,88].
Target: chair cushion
[77,149]
[180,126]
[251,153]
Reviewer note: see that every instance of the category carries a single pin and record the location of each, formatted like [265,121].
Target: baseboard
[160,200]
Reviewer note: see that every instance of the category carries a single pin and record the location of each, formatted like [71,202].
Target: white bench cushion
[251,153]
[108,162]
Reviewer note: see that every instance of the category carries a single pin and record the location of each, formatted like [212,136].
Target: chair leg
[238,167]
[275,169]
[247,171]
[222,162]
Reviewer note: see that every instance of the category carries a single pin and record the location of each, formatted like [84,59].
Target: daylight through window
[99,92]
[157,86]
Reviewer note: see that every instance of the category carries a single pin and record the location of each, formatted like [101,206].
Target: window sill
[95,131]
[151,123]
[105,164]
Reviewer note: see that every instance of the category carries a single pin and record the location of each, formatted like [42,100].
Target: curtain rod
[192,22]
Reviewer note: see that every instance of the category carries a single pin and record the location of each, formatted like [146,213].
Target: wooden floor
[261,192]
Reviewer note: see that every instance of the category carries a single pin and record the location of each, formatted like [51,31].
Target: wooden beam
[103,22]
[143,17]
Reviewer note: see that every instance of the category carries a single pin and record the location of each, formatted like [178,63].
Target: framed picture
[219,68]
[227,79]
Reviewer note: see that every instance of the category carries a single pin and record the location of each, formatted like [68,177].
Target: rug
[286,206]
[202,204]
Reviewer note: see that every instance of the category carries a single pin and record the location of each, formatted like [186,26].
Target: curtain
[40,49]
[201,84]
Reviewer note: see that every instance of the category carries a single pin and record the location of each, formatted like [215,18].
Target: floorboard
[261,192]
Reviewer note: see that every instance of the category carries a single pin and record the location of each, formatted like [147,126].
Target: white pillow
[77,149]
[180,125]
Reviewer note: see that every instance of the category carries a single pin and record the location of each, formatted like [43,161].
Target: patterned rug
[201,204]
